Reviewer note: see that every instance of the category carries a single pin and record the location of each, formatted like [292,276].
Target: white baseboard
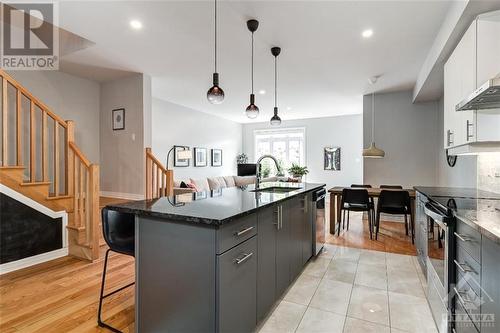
[34,260]
[121,195]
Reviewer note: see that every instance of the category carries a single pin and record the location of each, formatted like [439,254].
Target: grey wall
[122,151]
[342,131]
[409,135]
[178,125]
[464,173]
[71,98]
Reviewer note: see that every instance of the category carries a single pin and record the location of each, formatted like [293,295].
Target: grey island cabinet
[219,261]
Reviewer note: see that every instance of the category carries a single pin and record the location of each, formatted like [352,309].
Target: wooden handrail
[30,96]
[79,154]
[159,180]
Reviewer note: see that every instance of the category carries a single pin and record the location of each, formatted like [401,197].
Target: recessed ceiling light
[262,92]
[367,33]
[288,108]
[136,24]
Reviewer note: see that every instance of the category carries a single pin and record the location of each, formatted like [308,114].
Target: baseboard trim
[34,260]
[121,195]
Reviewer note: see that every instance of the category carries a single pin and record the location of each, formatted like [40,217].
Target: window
[287,145]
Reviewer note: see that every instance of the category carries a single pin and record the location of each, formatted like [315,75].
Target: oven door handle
[434,214]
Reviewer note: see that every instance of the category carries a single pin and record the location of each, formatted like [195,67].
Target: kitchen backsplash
[488,172]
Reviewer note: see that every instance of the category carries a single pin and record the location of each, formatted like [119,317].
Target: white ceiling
[323,67]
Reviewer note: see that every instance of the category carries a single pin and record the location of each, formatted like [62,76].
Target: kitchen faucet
[257,174]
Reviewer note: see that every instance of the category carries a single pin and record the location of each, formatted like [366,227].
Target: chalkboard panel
[25,232]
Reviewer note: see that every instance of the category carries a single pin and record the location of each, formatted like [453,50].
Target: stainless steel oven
[440,252]
[319,220]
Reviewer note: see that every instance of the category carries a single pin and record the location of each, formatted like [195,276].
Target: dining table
[373,192]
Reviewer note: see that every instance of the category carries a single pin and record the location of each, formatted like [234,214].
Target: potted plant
[297,171]
[241,158]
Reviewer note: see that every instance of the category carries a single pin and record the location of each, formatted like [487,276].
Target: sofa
[214,183]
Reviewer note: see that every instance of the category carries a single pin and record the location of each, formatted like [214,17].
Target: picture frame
[332,158]
[200,157]
[178,160]
[118,119]
[216,157]
[216,193]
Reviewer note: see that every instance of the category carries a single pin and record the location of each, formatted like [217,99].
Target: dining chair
[119,234]
[357,200]
[392,187]
[395,203]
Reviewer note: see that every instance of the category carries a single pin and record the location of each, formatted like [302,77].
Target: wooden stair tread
[75,228]
[12,167]
[35,183]
[59,197]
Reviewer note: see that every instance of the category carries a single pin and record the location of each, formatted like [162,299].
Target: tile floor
[354,291]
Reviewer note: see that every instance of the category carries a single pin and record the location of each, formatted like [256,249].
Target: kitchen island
[218,261]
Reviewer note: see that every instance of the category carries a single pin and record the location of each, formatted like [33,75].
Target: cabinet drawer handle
[469,125]
[244,258]
[462,238]
[464,267]
[244,231]
[460,298]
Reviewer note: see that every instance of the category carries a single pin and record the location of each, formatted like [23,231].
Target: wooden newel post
[149,175]
[170,182]
[94,209]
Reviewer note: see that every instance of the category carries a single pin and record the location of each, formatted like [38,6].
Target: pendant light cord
[275,81]
[373,117]
[215,7]
[252,63]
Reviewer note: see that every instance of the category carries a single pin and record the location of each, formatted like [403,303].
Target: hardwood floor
[391,238]
[62,295]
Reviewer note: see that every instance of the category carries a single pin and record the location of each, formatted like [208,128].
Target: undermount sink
[277,189]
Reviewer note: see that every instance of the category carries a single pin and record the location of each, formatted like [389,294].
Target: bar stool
[395,203]
[360,186]
[392,187]
[357,200]
[119,233]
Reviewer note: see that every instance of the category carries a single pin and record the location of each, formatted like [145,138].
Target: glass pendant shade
[215,95]
[252,110]
[275,120]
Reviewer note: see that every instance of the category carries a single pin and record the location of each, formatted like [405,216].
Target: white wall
[342,131]
[122,151]
[409,135]
[177,125]
[464,173]
[71,98]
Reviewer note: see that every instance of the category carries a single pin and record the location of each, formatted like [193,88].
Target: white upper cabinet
[475,60]
[488,47]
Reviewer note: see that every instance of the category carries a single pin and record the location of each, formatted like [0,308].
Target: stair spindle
[5,109]
[32,143]
[56,159]
[18,128]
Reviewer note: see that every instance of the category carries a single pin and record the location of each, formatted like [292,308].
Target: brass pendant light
[373,151]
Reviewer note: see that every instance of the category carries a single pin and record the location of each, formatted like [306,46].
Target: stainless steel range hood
[485,97]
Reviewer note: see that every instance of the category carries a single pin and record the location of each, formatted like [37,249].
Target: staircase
[40,160]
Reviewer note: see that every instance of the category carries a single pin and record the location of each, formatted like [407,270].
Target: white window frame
[281,131]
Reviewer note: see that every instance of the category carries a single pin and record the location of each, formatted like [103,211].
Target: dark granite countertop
[457,192]
[478,209]
[212,207]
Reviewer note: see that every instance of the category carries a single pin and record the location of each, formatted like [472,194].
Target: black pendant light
[252,110]
[275,120]
[215,95]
